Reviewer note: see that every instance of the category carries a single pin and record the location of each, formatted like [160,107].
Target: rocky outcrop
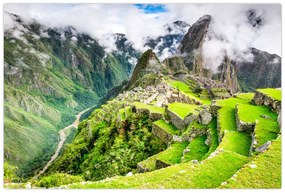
[263,147]
[173,65]
[264,71]
[263,99]
[204,117]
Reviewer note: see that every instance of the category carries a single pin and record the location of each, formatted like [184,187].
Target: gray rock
[176,138]
[204,117]
[195,161]
[263,147]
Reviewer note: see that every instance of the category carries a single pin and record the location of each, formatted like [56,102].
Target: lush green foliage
[47,81]
[56,180]
[182,109]
[104,149]
[272,92]
[10,173]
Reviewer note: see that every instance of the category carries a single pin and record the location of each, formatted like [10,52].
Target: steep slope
[146,68]
[237,75]
[266,69]
[50,75]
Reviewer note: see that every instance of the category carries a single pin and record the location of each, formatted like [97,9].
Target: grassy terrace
[265,129]
[166,127]
[264,171]
[238,142]
[149,163]
[182,109]
[198,149]
[173,154]
[152,109]
[209,174]
[246,96]
[185,89]
[272,92]
[226,113]
[136,180]
[250,113]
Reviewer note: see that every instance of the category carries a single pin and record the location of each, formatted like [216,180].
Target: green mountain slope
[50,75]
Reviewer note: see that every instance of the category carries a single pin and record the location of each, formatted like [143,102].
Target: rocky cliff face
[263,71]
[50,74]
[191,50]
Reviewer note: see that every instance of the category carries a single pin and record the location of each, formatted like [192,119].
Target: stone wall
[262,99]
[176,120]
[161,133]
[243,126]
[160,164]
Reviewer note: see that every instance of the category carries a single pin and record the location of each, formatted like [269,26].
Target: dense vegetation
[48,79]
[103,149]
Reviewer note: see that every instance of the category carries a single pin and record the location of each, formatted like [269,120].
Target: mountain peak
[147,64]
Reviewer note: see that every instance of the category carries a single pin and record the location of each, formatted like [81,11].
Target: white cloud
[99,20]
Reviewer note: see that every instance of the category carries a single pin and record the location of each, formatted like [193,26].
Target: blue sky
[152,8]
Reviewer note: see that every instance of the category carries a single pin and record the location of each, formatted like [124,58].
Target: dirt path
[61,142]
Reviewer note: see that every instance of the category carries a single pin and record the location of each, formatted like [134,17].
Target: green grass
[238,142]
[210,174]
[182,109]
[266,130]
[231,102]
[173,154]
[227,119]
[197,148]
[149,163]
[266,174]
[136,180]
[185,89]
[56,180]
[272,92]
[151,108]
[226,114]
[250,113]
[246,96]
[166,127]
